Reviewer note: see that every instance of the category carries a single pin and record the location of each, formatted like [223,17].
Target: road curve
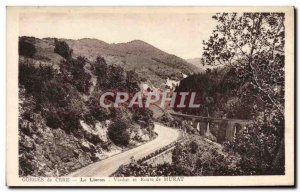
[108,166]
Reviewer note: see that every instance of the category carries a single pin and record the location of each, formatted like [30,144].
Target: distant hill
[152,64]
[197,63]
[148,61]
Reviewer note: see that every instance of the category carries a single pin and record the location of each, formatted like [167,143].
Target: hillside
[146,60]
[197,63]
[149,62]
[61,124]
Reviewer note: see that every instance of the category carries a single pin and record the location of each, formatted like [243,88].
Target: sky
[176,32]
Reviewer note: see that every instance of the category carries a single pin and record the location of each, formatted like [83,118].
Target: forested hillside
[220,93]
[61,124]
[150,63]
[154,65]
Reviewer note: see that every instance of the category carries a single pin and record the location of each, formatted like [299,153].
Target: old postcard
[150,96]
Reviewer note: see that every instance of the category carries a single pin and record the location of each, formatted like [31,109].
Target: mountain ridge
[151,63]
[197,63]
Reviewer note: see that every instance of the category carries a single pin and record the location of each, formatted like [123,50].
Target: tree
[118,132]
[35,79]
[142,116]
[255,149]
[206,86]
[132,82]
[26,49]
[253,44]
[193,147]
[73,70]
[96,111]
[63,49]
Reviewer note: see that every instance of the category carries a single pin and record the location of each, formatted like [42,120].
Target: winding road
[108,166]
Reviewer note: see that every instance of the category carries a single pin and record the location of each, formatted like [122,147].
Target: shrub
[63,49]
[34,79]
[118,132]
[96,111]
[26,167]
[143,116]
[73,70]
[177,154]
[100,70]
[258,150]
[53,120]
[26,49]
[70,118]
[193,147]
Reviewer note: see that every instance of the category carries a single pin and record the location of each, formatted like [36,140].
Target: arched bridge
[216,129]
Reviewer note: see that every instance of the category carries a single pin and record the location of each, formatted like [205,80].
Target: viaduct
[222,129]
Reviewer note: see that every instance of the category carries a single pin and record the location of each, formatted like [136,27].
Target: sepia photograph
[150,96]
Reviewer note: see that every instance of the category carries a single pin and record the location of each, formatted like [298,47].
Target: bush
[178,154]
[193,147]
[118,132]
[26,49]
[96,111]
[73,70]
[63,49]
[258,150]
[143,116]
[26,167]
[34,79]
[53,119]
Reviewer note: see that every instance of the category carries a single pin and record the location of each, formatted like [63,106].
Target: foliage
[100,69]
[112,77]
[26,49]
[253,44]
[259,146]
[145,170]
[218,92]
[193,147]
[205,161]
[143,116]
[34,79]
[74,72]
[55,98]
[58,101]
[96,111]
[118,132]
[63,49]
